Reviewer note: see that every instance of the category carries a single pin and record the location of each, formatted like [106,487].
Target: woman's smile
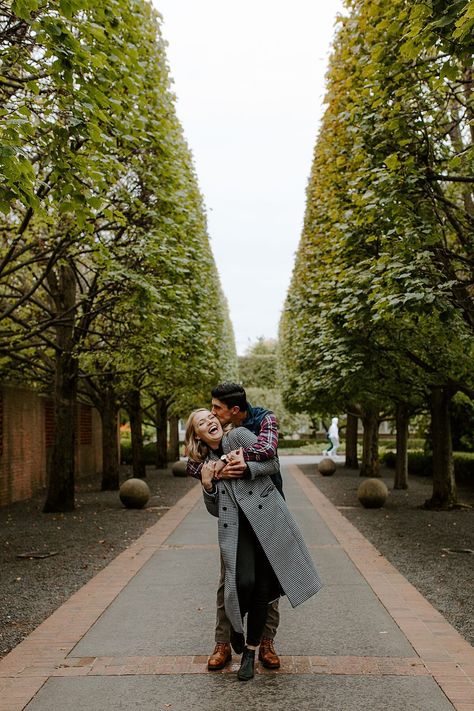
[213,428]
[207,427]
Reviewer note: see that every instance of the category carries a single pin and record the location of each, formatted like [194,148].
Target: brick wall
[89,441]
[26,432]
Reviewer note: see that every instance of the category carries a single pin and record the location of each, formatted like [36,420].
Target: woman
[261,546]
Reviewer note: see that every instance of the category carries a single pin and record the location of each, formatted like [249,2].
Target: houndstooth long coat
[272,523]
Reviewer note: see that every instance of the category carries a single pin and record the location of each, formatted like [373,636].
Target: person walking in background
[333,437]
[230,406]
[261,546]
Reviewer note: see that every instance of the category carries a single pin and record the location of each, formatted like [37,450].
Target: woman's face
[208,428]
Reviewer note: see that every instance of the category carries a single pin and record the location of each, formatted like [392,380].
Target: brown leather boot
[267,654]
[220,656]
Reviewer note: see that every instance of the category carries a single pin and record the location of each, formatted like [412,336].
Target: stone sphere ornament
[179,468]
[134,493]
[327,466]
[372,493]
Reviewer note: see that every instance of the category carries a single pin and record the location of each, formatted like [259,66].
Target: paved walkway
[138,634]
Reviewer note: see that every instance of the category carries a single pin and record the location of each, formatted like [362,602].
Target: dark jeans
[257,584]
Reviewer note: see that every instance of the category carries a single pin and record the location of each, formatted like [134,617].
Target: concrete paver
[225,693]
[137,636]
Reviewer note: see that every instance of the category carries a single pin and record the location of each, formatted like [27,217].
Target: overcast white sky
[249,77]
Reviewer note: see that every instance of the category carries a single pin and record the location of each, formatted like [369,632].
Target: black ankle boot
[247,665]
[237,641]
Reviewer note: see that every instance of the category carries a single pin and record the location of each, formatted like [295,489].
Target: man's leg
[273,620]
[222,652]
[222,623]
[266,653]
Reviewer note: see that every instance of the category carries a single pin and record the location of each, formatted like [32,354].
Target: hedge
[294,443]
[421,464]
[149,451]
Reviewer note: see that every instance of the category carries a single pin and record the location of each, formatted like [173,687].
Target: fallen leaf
[37,555]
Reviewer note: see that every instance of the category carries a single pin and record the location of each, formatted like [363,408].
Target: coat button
[224,508]
[260,506]
[222,491]
[250,492]
[225,525]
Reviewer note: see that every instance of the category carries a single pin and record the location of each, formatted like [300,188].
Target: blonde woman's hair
[195,448]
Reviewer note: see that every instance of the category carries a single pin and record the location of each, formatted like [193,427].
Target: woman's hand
[219,466]
[236,466]
[207,476]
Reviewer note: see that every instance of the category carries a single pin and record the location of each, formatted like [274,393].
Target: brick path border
[345,666]
[448,657]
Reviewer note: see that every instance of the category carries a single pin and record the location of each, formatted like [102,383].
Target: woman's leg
[266,589]
[245,569]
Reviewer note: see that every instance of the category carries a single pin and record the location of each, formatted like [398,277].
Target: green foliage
[464,467]
[257,368]
[258,375]
[149,452]
[447,25]
[294,443]
[96,175]
[462,423]
[271,399]
[107,280]
[262,347]
[421,464]
[257,371]
[380,307]
[413,443]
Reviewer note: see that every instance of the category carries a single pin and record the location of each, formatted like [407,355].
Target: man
[230,406]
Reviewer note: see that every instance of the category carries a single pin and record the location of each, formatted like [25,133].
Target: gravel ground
[87,539]
[415,541]
[84,541]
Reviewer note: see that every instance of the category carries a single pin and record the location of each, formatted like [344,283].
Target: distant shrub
[126,452]
[388,459]
[293,443]
[421,464]
[462,423]
[414,443]
[464,467]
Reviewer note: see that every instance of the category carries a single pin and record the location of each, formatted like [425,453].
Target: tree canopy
[107,278]
[380,307]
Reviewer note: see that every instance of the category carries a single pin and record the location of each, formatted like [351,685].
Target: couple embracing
[232,449]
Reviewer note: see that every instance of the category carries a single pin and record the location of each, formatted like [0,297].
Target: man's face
[223,413]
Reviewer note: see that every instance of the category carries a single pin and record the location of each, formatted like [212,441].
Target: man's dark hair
[231,394]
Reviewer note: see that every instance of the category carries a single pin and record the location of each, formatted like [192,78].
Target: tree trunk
[61,464]
[352,460]
[161,422]
[110,444]
[401,461]
[135,412]
[444,485]
[370,465]
[173,454]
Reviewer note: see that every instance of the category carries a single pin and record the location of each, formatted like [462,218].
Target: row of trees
[379,317]
[258,373]
[108,287]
